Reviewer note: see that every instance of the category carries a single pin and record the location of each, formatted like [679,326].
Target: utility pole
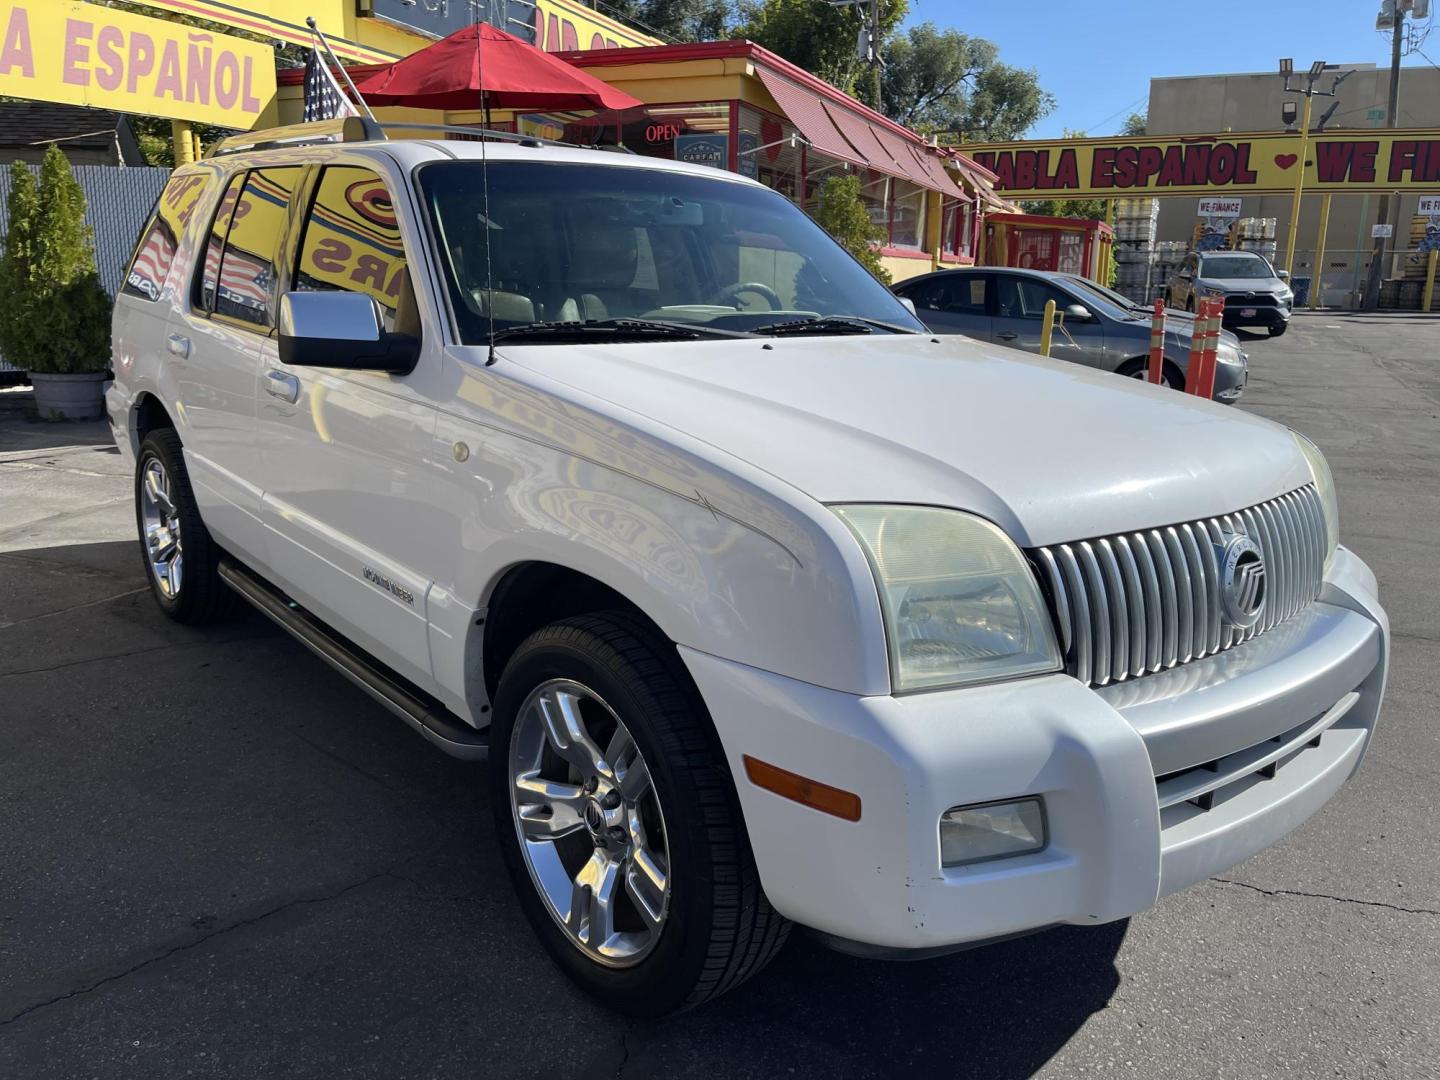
[1287,72]
[1394,9]
[867,45]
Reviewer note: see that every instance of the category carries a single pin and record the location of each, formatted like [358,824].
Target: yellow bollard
[1047,327]
[1429,281]
[184,140]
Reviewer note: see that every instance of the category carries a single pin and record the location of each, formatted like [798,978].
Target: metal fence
[118,202]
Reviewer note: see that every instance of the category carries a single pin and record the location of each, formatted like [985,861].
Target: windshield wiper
[614,329]
[828,324]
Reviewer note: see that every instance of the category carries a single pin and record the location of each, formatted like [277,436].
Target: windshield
[1235,266]
[1125,307]
[615,244]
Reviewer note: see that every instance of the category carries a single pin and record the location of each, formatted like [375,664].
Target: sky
[1097,56]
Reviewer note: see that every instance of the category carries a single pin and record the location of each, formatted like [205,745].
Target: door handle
[278,384]
[179,345]
[1007,335]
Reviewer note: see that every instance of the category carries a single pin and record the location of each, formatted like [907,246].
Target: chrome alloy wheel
[589,823]
[164,550]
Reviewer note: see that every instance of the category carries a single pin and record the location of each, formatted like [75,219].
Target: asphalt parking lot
[217,859]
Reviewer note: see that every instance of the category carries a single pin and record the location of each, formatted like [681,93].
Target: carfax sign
[83,54]
[1260,164]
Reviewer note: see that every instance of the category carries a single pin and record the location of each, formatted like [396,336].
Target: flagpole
[360,101]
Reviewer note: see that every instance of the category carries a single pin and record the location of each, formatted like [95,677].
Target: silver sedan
[1101,329]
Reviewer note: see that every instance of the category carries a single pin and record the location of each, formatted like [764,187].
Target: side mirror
[341,330]
[908,304]
[1078,313]
[1283,275]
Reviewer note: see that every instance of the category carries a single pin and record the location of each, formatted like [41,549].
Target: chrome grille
[1140,602]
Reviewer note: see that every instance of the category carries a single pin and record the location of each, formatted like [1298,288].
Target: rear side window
[352,243]
[215,244]
[160,239]
[242,286]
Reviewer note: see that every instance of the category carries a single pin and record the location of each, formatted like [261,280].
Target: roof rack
[356,129]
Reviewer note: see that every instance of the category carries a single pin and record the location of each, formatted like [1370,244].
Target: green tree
[57,317]
[675,20]
[17,266]
[842,214]
[1134,124]
[947,81]
[820,38]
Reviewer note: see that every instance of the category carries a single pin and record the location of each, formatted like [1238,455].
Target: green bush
[842,214]
[56,315]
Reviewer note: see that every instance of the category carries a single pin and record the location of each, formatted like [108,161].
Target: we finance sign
[1343,162]
[83,54]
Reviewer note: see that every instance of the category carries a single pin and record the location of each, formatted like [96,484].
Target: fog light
[971,834]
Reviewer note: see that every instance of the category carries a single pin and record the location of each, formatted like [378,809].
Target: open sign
[657,133]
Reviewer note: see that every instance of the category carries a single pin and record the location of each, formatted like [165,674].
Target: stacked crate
[1165,259]
[1254,234]
[1135,221]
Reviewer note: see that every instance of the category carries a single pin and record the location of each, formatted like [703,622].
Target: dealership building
[1253,102]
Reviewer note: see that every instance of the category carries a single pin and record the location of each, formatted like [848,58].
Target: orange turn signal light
[812,793]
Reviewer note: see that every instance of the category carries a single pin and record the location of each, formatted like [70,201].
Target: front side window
[1024,298]
[352,243]
[594,242]
[161,239]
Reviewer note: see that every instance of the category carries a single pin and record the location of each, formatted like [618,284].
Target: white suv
[766,605]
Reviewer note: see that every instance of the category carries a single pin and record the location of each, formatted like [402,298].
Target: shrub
[842,214]
[56,316]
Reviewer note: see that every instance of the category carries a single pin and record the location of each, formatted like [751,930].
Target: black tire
[1170,375]
[202,597]
[720,929]
[1278,329]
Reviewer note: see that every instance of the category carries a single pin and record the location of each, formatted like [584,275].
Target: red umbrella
[482,66]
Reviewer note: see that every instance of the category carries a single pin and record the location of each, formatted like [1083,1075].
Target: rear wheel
[618,820]
[180,557]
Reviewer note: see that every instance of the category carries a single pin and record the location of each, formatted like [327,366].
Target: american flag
[324,100]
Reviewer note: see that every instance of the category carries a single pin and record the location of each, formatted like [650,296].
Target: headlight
[1212,292]
[1325,486]
[960,602]
[1228,354]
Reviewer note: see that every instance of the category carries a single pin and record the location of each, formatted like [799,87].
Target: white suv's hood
[1050,451]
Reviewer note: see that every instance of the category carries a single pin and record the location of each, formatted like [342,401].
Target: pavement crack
[239,924]
[624,1052]
[73,607]
[1327,896]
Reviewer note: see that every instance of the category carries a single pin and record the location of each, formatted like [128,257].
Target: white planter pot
[69,397]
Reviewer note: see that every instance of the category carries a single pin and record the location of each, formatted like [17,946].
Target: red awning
[482,67]
[807,112]
[944,182]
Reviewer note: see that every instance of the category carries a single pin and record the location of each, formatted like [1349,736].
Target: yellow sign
[279,19]
[1343,162]
[83,54]
[567,26]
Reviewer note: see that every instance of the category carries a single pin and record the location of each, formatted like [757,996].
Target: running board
[426,715]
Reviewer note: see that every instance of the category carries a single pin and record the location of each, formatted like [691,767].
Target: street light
[1287,71]
[1287,68]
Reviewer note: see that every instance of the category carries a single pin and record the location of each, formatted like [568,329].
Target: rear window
[160,239]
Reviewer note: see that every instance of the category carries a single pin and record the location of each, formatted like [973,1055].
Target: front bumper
[1094,756]
[1263,315]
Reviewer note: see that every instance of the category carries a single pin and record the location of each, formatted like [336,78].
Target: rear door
[953,303]
[214,347]
[1019,315]
[351,507]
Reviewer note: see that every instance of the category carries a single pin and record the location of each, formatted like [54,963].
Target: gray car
[1255,293]
[1102,329]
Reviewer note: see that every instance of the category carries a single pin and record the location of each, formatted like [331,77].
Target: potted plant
[55,317]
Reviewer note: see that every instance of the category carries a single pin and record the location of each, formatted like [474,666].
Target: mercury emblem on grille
[1242,581]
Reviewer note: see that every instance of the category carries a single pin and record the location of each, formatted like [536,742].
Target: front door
[954,303]
[348,498]
[1019,307]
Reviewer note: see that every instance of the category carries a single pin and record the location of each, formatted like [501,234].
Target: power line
[1143,97]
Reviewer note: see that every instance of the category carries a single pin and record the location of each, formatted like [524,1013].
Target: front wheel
[1278,329]
[618,820]
[1140,369]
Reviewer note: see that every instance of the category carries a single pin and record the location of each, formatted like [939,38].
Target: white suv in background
[766,605]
